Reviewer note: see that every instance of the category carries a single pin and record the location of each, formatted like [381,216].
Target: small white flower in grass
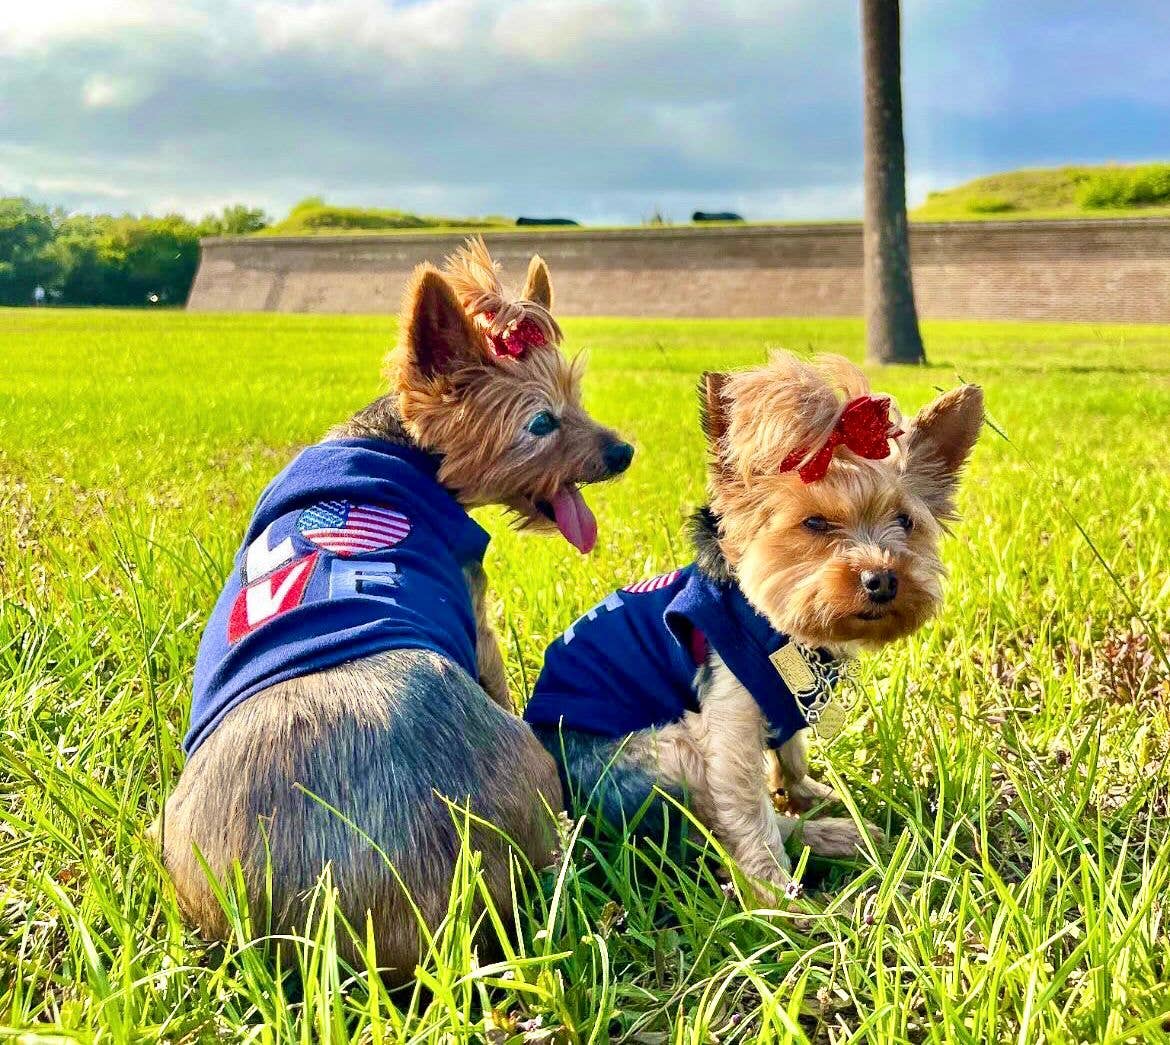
[529,1025]
[541,934]
[868,917]
[794,890]
[565,826]
[728,888]
[165,967]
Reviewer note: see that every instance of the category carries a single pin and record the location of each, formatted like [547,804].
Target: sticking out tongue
[574,519]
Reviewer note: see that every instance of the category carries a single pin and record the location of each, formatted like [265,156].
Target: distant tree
[891,318]
[236,220]
[26,259]
[150,256]
[85,275]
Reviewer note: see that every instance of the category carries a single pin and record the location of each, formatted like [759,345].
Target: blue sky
[604,110]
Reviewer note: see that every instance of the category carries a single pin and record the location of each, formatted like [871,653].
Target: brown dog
[821,538]
[483,409]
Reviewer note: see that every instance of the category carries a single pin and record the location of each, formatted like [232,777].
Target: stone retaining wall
[1089,271]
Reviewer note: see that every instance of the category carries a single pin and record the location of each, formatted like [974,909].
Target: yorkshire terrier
[349,680]
[820,539]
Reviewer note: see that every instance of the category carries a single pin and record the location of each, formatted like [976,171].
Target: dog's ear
[713,413]
[538,284]
[438,336]
[940,440]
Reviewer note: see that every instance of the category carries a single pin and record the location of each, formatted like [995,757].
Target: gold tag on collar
[832,720]
[793,669]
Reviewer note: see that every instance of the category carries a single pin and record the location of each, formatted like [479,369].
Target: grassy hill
[313,215]
[1062,192]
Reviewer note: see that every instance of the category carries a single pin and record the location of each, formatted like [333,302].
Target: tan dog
[820,539]
[483,408]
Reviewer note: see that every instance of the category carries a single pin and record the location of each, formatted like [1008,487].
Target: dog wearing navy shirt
[349,684]
[820,539]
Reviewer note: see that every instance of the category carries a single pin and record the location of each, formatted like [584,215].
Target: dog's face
[511,429]
[852,558]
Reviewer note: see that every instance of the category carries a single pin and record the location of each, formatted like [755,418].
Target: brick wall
[1090,271]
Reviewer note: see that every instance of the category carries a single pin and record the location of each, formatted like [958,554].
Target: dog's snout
[880,585]
[617,457]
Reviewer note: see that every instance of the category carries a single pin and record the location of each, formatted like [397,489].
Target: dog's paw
[808,793]
[836,837]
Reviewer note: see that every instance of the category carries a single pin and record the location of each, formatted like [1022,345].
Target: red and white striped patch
[352,529]
[663,580]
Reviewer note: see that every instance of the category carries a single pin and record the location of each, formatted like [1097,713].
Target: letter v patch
[260,602]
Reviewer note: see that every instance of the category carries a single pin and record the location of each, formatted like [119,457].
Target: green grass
[1065,192]
[1014,750]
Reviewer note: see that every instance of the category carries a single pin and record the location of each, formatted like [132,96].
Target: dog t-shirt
[354,549]
[632,661]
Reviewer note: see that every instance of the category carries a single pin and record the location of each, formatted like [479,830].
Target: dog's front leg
[729,732]
[789,771]
[487,645]
[825,835]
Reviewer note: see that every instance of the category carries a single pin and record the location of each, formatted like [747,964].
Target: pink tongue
[574,519]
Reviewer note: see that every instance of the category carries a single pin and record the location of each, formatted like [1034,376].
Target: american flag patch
[348,529]
[663,580]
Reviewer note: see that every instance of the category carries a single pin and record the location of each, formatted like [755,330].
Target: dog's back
[377,741]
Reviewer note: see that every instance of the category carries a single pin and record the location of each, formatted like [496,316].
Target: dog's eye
[905,522]
[544,423]
[816,523]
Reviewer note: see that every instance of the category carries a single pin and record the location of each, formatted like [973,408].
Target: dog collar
[793,684]
[811,679]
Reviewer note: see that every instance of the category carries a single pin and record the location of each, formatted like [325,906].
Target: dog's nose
[880,585]
[617,457]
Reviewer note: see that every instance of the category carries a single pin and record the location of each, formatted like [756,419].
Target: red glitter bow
[514,341]
[863,427]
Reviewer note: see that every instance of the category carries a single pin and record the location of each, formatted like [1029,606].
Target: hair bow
[864,427]
[515,339]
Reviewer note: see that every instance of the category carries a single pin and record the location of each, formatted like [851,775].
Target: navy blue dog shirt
[354,549]
[631,662]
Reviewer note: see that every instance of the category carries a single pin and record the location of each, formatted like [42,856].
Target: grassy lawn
[1015,750]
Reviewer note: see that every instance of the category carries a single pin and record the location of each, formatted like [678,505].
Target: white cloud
[102,91]
[27,26]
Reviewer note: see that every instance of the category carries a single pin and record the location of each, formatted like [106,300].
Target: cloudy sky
[605,110]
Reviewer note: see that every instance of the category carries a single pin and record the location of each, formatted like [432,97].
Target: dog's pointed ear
[938,445]
[713,413]
[538,284]
[438,336]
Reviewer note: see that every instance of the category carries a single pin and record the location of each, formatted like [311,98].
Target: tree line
[105,259]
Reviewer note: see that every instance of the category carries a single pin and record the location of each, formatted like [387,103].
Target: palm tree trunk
[891,319]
